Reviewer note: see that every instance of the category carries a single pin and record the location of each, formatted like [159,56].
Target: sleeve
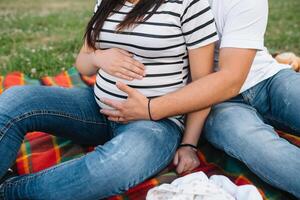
[245,25]
[198,24]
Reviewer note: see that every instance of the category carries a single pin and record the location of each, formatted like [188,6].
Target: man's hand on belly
[135,107]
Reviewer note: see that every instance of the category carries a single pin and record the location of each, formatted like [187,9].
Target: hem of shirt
[176,121]
[248,86]
[202,44]
[244,44]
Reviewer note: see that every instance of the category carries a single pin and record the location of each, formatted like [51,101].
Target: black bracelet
[149,110]
[188,145]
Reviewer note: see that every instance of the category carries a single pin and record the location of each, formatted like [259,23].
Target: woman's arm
[201,64]
[85,61]
[116,62]
[186,158]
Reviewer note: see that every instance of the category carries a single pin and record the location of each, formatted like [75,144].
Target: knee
[230,126]
[15,90]
[152,134]
[14,102]
[223,121]
[15,99]
[14,95]
[140,151]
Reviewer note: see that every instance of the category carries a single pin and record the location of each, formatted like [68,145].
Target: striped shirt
[161,43]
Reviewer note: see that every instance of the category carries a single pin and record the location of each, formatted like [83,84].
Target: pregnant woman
[167,39]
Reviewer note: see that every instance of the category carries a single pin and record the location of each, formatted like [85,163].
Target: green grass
[43,37]
[283,32]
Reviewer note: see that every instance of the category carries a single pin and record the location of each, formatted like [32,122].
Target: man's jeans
[243,128]
[126,154]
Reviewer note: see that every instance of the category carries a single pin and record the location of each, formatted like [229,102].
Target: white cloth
[242,24]
[197,186]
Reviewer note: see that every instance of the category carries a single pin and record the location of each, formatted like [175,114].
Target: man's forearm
[198,95]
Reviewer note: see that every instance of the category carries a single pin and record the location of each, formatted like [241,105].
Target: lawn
[43,37]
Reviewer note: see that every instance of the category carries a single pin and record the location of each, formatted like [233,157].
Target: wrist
[189,140]
[154,113]
[187,145]
[149,109]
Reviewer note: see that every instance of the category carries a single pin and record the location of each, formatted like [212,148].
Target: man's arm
[209,90]
[219,86]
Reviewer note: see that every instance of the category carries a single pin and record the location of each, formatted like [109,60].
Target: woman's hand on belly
[135,107]
[119,63]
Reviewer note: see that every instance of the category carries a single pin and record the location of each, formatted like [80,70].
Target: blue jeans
[125,154]
[243,127]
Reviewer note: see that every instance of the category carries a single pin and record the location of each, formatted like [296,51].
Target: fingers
[125,88]
[122,76]
[187,165]
[132,61]
[180,166]
[136,63]
[112,103]
[114,114]
[129,68]
[133,75]
[133,68]
[118,119]
[126,53]
[176,158]
[185,161]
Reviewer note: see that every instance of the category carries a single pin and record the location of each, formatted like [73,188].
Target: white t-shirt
[242,24]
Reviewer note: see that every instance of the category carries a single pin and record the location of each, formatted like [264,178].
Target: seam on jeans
[1,192]
[39,174]
[42,112]
[284,123]
[224,104]
[263,175]
[252,168]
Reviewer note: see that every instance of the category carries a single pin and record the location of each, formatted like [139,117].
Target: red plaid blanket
[41,150]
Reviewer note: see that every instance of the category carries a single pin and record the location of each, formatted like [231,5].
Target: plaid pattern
[41,150]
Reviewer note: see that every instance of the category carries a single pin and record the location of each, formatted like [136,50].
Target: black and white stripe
[161,43]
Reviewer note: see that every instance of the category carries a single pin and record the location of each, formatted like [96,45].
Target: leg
[238,130]
[284,100]
[70,113]
[138,151]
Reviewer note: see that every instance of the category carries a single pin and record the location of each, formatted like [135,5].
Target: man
[257,94]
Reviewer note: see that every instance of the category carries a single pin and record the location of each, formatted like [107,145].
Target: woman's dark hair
[137,14]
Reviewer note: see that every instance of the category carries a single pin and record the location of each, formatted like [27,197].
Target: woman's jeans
[125,154]
[243,128]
